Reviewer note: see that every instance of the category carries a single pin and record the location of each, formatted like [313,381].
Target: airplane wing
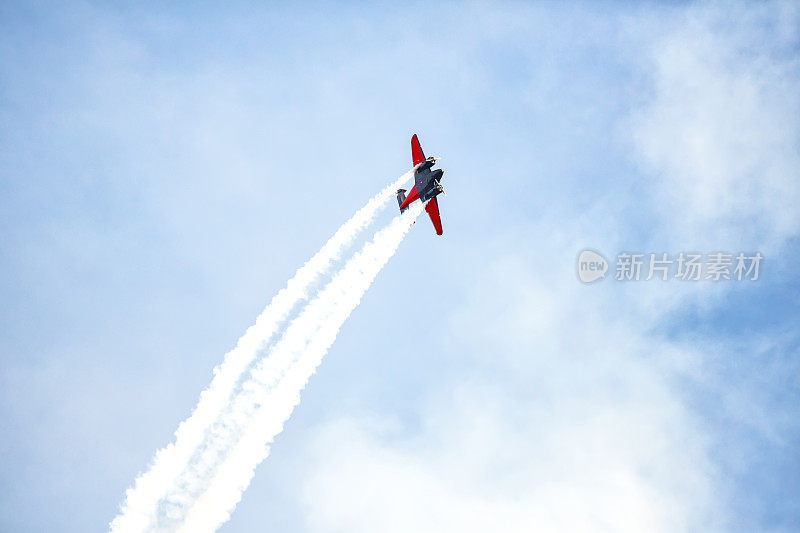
[432,207]
[416,151]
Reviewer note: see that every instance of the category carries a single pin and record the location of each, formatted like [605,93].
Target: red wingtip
[432,207]
[416,151]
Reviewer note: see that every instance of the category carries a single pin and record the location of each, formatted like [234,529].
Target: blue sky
[164,170]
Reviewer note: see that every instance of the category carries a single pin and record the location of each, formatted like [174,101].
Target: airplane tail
[401,197]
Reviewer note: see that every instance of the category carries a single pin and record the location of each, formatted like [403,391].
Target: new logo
[591,266]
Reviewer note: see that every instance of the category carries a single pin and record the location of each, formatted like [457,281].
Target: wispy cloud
[581,411]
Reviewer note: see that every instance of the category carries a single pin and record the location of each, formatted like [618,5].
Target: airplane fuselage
[427,185]
[428,181]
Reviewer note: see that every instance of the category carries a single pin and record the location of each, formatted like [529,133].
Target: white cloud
[573,416]
[573,423]
[720,132]
[565,412]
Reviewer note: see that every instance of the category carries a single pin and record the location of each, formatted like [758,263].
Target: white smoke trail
[139,511]
[274,387]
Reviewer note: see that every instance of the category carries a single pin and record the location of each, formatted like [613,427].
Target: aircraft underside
[427,185]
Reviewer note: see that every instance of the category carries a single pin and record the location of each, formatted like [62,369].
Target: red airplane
[426,187]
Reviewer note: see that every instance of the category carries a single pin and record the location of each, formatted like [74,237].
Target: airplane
[426,187]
